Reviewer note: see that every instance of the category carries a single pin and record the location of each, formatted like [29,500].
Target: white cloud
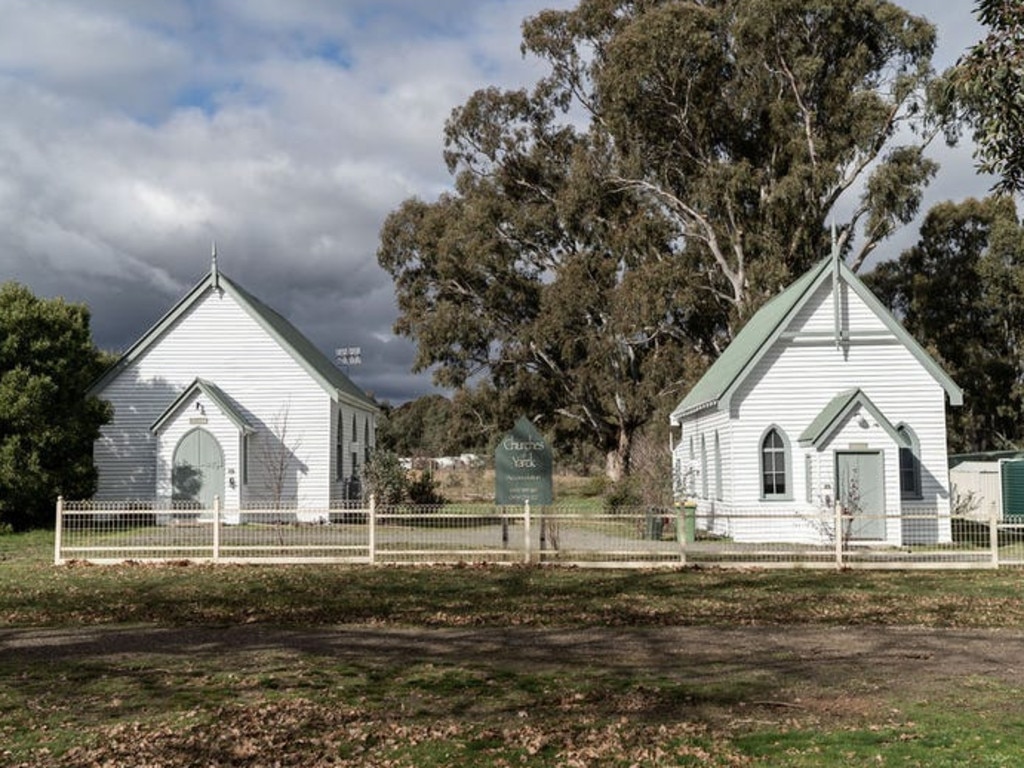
[135,133]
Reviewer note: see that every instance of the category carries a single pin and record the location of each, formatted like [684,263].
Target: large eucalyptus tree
[680,162]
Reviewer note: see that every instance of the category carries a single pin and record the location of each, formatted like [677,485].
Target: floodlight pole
[346,357]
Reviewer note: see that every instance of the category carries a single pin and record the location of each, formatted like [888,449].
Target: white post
[216,527]
[372,526]
[526,531]
[57,559]
[993,538]
[839,534]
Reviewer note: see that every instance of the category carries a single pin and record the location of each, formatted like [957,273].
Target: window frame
[781,452]
[703,467]
[719,483]
[909,446]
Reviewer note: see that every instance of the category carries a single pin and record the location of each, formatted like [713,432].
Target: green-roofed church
[223,397]
[822,397]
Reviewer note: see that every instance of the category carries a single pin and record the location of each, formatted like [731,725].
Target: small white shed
[987,485]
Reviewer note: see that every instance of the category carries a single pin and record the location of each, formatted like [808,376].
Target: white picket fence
[104,533]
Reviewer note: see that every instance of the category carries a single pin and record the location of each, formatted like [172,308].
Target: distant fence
[103,532]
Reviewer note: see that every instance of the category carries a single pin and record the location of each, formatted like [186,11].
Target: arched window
[775,465]
[910,463]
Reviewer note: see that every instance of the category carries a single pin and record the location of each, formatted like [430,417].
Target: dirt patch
[369,695]
[816,655]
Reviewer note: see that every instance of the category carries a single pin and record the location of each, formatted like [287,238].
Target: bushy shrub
[386,478]
[425,490]
[594,486]
[622,496]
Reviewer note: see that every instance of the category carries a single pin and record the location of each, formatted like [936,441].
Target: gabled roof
[754,340]
[227,406]
[835,414]
[302,350]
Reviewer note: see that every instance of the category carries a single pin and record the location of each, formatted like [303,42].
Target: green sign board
[522,464]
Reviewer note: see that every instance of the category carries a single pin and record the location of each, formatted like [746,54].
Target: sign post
[522,477]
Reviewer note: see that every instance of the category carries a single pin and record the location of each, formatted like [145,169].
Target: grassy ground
[253,666]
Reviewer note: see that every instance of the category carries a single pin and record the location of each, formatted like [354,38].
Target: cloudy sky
[135,134]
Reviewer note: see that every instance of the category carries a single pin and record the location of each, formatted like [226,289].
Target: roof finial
[214,275]
[836,296]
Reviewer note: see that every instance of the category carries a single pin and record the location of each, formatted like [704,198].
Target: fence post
[839,535]
[57,559]
[993,538]
[216,527]
[526,531]
[372,530]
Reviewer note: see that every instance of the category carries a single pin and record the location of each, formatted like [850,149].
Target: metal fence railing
[104,532]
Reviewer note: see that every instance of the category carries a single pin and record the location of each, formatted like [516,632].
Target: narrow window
[355,455]
[703,468]
[773,465]
[339,448]
[245,459]
[809,477]
[910,463]
[718,468]
[366,440]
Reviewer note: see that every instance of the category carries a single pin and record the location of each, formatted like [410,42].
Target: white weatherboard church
[821,394]
[224,397]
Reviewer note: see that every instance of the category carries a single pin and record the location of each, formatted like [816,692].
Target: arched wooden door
[198,469]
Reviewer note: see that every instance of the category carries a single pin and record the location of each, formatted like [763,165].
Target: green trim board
[302,350]
[770,323]
[835,413]
[215,394]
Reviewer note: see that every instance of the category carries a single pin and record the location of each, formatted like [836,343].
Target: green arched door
[198,469]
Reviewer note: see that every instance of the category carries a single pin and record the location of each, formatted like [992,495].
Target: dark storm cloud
[134,135]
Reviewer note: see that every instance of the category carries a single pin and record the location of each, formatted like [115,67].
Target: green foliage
[960,292]
[623,495]
[418,428]
[988,83]
[594,486]
[673,169]
[433,425]
[425,490]
[385,477]
[47,424]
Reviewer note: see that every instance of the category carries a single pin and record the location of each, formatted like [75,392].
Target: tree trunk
[616,465]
